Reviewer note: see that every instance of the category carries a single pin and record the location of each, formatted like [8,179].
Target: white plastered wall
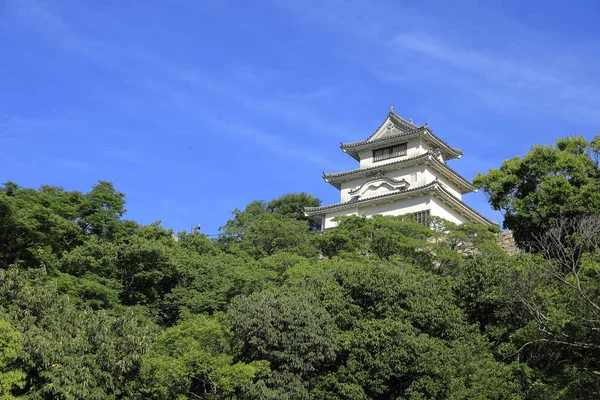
[328,223]
[442,210]
[398,207]
[349,185]
[413,149]
[431,175]
[408,173]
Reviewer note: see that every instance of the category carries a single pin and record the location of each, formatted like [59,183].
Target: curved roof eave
[310,211]
[336,178]
[435,186]
[353,149]
[471,212]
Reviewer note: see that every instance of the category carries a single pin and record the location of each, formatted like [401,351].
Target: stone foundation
[507,242]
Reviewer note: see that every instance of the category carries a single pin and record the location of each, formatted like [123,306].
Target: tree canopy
[546,185]
[94,306]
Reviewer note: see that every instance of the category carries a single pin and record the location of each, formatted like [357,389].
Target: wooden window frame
[422,217]
[384,153]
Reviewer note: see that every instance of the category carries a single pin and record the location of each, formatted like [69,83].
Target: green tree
[38,226]
[10,346]
[292,205]
[384,237]
[198,243]
[273,218]
[147,269]
[290,330]
[272,233]
[547,184]
[208,283]
[193,360]
[402,336]
[234,229]
[394,311]
[102,210]
[69,353]
[558,290]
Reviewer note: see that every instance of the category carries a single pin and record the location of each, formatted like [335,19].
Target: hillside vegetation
[94,306]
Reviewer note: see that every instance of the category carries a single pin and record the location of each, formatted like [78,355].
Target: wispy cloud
[495,69]
[19,127]
[275,144]
[505,80]
[57,30]
[73,164]
[290,109]
[406,46]
[183,86]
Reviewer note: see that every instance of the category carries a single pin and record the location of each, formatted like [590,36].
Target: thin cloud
[275,144]
[57,30]
[73,164]
[280,108]
[538,73]
[180,84]
[20,128]
[505,80]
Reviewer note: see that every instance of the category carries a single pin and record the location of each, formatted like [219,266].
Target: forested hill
[94,306]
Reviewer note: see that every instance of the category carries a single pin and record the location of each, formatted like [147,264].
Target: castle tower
[402,170]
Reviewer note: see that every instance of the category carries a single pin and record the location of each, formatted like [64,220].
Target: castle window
[422,217]
[389,152]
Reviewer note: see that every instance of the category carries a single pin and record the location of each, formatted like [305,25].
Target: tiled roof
[466,205]
[406,128]
[375,168]
[332,176]
[314,210]
[435,185]
[453,172]
[398,121]
[383,139]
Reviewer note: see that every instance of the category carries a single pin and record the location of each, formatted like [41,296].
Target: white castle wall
[398,207]
[328,223]
[413,149]
[431,175]
[436,208]
[442,210]
[416,175]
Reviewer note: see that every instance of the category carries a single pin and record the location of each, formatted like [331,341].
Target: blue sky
[195,108]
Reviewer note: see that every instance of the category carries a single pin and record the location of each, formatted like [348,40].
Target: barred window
[389,152]
[422,217]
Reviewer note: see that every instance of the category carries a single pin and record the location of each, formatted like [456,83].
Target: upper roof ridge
[400,123]
[404,129]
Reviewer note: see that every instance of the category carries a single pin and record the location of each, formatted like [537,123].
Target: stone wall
[507,242]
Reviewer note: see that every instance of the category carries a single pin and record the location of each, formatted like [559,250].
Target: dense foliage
[547,185]
[93,306]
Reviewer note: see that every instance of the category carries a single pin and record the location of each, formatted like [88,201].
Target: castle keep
[402,170]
